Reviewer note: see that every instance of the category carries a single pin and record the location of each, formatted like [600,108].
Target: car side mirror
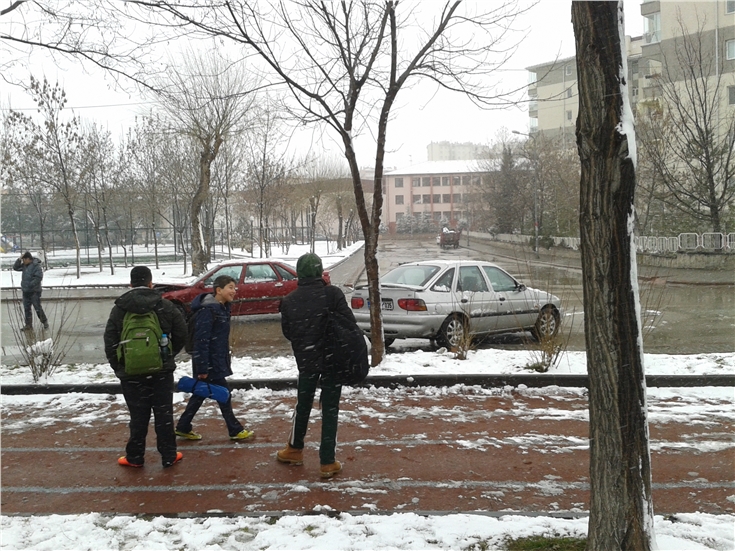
[520,287]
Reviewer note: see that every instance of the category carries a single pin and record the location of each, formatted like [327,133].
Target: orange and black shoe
[125,463]
[179,457]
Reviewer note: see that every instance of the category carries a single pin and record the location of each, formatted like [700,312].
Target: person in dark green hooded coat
[303,321]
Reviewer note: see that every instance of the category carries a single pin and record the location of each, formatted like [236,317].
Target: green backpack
[140,344]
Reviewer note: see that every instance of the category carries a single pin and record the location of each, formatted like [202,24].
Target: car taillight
[412,304]
[357,303]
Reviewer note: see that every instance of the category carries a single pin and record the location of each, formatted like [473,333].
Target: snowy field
[396,531]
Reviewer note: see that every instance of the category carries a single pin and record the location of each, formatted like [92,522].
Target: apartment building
[553,91]
[454,151]
[440,188]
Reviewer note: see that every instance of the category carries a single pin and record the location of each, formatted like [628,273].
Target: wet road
[678,319]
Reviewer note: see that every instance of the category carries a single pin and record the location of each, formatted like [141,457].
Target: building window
[399,182]
[426,181]
[415,182]
[437,198]
[435,181]
[447,198]
[635,92]
[731,95]
[730,48]
[568,69]
[445,180]
[457,198]
[569,115]
[465,180]
[399,215]
[417,199]
[730,6]
[437,216]
[426,199]
[399,199]
[652,28]
[569,92]
[455,180]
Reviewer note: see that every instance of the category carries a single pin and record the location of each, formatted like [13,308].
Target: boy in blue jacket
[210,358]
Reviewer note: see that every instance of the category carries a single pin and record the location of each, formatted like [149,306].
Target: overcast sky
[421,115]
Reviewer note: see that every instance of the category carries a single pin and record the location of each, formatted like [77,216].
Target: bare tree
[208,99]
[621,507]
[101,33]
[688,135]
[346,62]
[57,144]
[104,169]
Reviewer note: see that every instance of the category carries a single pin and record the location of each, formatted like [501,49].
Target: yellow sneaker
[191,435]
[244,434]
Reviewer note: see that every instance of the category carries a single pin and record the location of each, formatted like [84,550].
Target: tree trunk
[621,509]
[199,253]
[77,246]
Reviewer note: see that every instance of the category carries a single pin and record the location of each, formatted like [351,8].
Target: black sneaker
[45,325]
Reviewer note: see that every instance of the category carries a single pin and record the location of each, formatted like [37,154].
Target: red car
[261,284]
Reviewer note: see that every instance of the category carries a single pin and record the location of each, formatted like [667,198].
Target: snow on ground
[397,531]
[167,273]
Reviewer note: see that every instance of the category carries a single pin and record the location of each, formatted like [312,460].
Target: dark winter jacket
[139,301]
[303,320]
[211,353]
[32,275]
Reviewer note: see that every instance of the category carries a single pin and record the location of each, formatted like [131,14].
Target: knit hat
[309,265]
[27,254]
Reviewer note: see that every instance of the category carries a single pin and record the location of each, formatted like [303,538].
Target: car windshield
[413,275]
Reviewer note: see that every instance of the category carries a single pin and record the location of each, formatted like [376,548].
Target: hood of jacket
[205,300]
[139,300]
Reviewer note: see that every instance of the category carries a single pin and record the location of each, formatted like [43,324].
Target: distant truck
[449,238]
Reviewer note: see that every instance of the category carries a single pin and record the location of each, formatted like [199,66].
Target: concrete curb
[384,381]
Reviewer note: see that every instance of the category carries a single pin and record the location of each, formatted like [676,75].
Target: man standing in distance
[303,321]
[147,392]
[30,284]
[210,357]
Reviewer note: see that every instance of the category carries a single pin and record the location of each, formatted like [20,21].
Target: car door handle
[501,299]
[464,301]
[278,285]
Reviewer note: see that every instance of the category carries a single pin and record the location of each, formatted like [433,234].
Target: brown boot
[328,471]
[291,455]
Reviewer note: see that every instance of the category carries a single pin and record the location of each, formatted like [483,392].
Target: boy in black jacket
[146,393]
[303,321]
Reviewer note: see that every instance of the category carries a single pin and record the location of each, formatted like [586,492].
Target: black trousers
[144,394]
[195,402]
[33,298]
[330,396]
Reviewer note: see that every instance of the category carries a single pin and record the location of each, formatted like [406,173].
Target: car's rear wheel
[453,331]
[388,342]
[547,323]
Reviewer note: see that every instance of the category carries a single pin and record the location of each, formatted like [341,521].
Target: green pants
[331,392]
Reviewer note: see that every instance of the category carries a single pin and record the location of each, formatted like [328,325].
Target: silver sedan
[449,301]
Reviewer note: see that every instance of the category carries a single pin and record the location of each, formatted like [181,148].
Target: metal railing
[711,241]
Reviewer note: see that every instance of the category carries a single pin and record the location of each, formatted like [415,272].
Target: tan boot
[290,455]
[328,471]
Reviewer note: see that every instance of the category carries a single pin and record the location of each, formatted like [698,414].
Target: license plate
[386,305]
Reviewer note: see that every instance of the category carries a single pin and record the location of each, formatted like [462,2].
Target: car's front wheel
[547,323]
[453,331]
